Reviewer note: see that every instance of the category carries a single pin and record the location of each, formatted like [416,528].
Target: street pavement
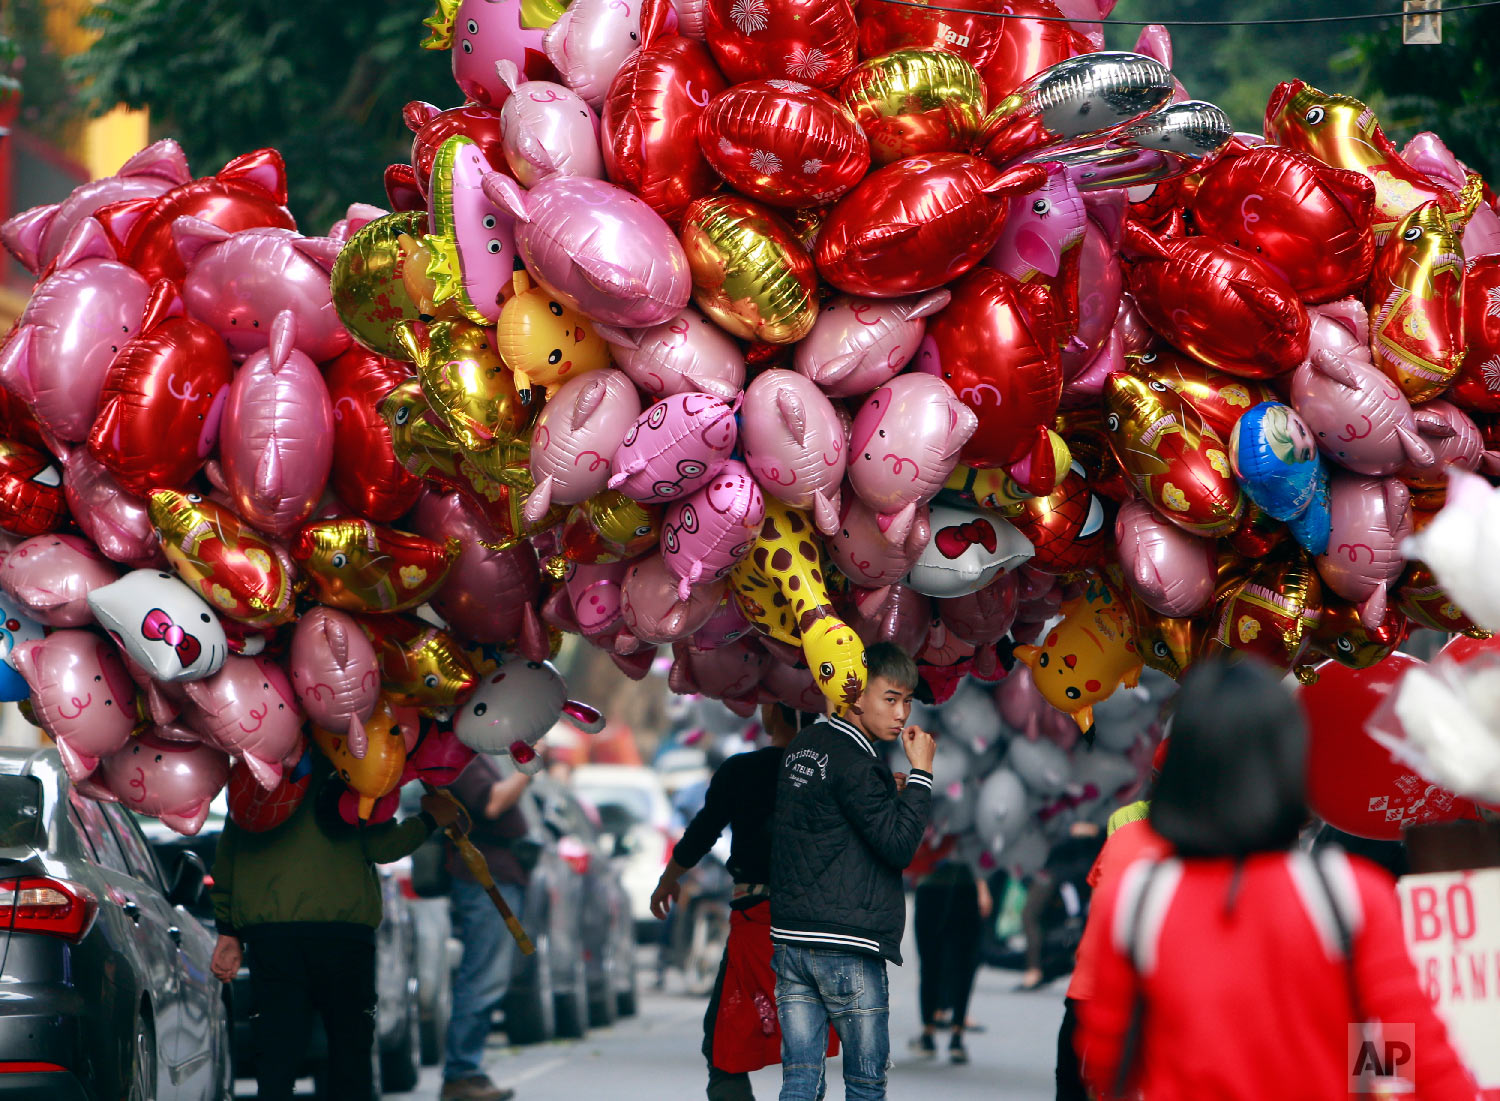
[655,1056]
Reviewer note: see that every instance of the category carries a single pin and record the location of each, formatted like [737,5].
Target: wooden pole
[474,860]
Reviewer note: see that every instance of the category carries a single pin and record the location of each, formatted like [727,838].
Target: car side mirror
[187,883]
[623,845]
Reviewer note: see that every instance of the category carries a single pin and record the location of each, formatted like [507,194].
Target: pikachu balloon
[1086,656]
[543,342]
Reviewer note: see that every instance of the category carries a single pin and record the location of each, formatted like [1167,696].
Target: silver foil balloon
[1172,142]
[1090,95]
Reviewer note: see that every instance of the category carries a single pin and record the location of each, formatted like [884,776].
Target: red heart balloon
[814,41]
[366,474]
[649,133]
[162,400]
[1352,781]
[249,191]
[784,143]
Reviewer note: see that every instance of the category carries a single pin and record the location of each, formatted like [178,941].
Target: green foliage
[323,81]
[1237,67]
[1452,89]
[31,64]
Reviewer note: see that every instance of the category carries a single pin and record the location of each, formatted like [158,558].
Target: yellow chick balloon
[543,342]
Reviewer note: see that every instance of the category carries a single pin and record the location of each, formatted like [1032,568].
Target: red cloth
[1124,847]
[1248,1002]
[746,1033]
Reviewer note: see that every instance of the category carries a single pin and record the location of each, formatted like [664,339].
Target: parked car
[398,1052]
[105,975]
[607,925]
[634,801]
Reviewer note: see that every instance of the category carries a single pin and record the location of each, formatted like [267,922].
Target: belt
[750,890]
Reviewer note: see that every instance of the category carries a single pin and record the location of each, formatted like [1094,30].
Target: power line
[1362,17]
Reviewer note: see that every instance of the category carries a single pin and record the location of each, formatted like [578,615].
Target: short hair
[1234,781]
[797,720]
[886,659]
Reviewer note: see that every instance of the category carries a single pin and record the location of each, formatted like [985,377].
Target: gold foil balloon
[1272,612]
[466,381]
[610,527]
[362,567]
[231,565]
[1168,645]
[916,101]
[1415,297]
[751,274]
[369,285]
[420,665]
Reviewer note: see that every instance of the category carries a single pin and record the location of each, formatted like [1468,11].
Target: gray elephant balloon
[1001,810]
[1042,765]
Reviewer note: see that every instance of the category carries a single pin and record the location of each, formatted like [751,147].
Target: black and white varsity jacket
[842,836]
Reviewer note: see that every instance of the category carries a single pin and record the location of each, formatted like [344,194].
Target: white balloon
[168,629]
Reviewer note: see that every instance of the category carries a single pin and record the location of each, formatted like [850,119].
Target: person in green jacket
[303,900]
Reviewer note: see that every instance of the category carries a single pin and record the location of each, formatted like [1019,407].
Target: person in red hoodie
[1237,967]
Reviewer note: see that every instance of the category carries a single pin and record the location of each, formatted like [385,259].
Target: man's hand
[445,812]
[920,747]
[986,900]
[900,778]
[665,897]
[226,959]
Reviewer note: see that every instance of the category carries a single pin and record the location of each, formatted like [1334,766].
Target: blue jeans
[816,987]
[483,974]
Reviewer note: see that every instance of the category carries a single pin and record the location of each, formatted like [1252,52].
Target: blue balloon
[1313,528]
[1275,457]
[14,628]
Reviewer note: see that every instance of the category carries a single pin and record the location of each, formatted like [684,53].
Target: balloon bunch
[185,594]
[763,329]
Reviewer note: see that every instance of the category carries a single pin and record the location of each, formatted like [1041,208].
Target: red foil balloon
[31,491]
[1477,387]
[813,41]
[1312,224]
[974,37]
[995,344]
[650,127]
[257,810]
[918,223]
[162,400]
[1220,398]
[784,145]
[1218,303]
[366,474]
[1427,604]
[248,191]
[1024,47]
[431,127]
[1353,784]
[1067,528]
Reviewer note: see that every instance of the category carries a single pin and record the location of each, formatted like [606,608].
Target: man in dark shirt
[739,1029]
[483,974]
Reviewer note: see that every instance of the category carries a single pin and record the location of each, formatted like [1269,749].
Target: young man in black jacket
[844,830]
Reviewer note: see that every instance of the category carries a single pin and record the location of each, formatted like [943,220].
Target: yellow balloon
[375,772]
[543,342]
[916,101]
[369,281]
[751,274]
[466,382]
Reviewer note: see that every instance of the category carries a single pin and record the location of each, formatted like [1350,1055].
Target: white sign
[1452,926]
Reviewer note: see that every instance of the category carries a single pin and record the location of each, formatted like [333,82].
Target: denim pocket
[843,981]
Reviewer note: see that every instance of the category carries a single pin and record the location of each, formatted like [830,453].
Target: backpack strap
[1131,945]
[1341,928]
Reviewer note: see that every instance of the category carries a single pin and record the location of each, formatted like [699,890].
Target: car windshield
[20,811]
[635,802]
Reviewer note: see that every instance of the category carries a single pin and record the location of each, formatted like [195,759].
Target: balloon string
[1364,16]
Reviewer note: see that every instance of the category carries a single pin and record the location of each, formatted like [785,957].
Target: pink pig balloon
[115,520]
[1371,516]
[575,437]
[1361,418]
[239,282]
[1172,572]
[1427,154]
[335,672]
[1100,287]
[723,627]
[80,694]
[795,686]
[904,444]
[1455,441]
[705,536]
[896,613]
[731,673]
[794,444]
[491,590]
[654,612]
[171,780]
[687,353]
[547,130]
[1043,225]
[52,575]
[597,248]
[588,604]
[276,439]
[481,34]
[986,616]
[866,555]
[76,320]
[590,41]
[248,709]
[36,236]
[675,447]
[858,344]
